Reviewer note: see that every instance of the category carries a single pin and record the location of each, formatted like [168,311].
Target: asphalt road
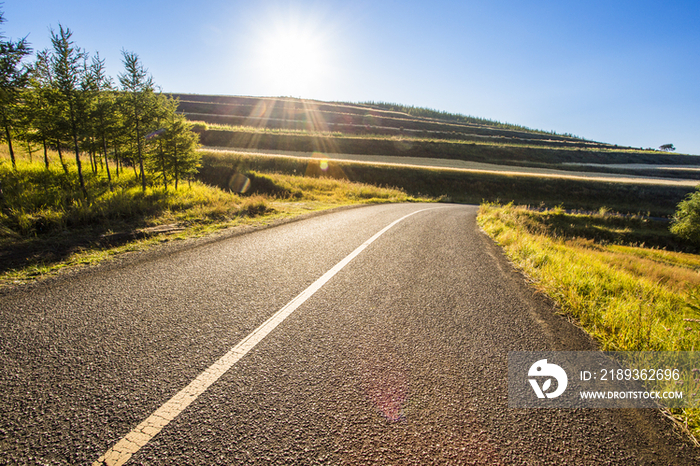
[400,358]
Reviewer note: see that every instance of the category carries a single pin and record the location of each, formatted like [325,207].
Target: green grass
[606,227]
[46,225]
[39,201]
[629,298]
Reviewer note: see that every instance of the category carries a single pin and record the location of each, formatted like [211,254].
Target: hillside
[287,124]
[307,115]
[468,159]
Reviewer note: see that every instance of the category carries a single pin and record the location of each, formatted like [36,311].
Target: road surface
[399,356]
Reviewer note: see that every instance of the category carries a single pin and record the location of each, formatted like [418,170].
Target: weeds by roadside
[630,298]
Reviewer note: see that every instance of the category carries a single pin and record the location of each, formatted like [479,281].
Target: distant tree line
[423,112]
[65,101]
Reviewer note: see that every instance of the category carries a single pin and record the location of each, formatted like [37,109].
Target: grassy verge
[630,298]
[46,225]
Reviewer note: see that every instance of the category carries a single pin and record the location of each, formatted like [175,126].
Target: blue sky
[623,72]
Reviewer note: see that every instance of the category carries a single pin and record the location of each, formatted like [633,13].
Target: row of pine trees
[65,101]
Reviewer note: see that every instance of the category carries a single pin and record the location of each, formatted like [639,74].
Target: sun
[295,53]
[292,57]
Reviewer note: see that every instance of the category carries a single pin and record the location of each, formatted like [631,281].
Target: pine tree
[14,77]
[160,110]
[41,106]
[67,66]
[103,107]
[138,90]
[181,147]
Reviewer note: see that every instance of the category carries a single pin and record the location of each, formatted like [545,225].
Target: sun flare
[295,53]
[292,57]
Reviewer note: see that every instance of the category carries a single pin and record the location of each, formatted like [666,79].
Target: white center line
[149,428]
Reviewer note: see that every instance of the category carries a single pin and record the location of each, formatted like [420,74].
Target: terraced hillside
[286,124]
[314,116]
[387,134]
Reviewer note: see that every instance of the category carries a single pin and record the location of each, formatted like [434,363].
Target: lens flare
[385,381]
[239,183]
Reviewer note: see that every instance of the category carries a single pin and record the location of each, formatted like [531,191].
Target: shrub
[686,221]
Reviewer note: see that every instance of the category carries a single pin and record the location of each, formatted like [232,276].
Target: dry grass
[629,298]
